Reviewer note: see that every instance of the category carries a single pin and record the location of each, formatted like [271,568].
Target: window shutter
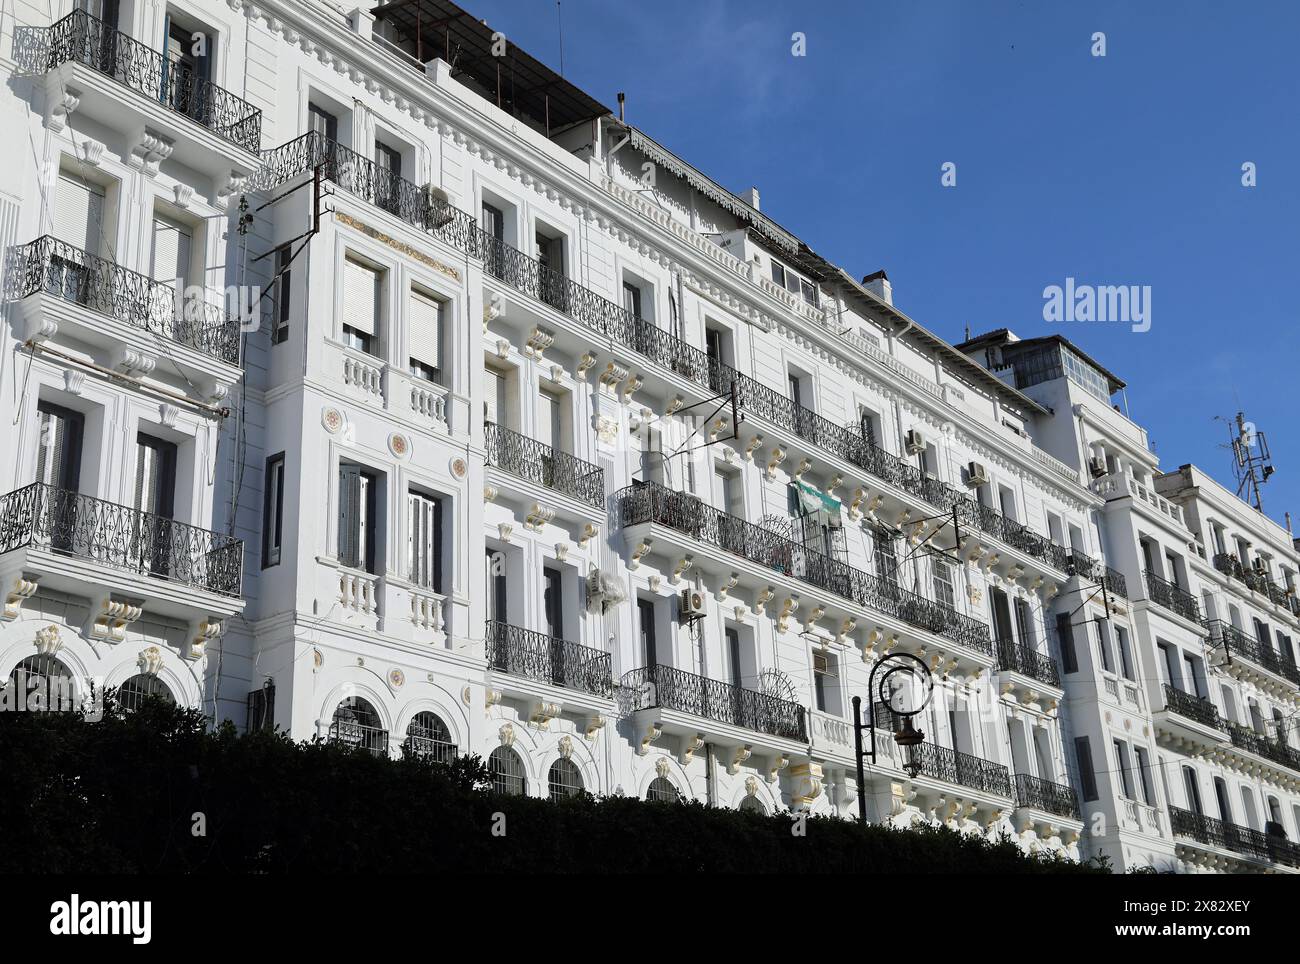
[350,516]
[423,535]
[360,296]
[78,210]
[172,244]
[155,468]
[548,419]
[58,452]
[426,330]
[494,391]
[1066,632]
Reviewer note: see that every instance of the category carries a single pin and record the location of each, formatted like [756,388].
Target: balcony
[1256,580]
[1269,848]
[1238,645]
[1192,707]
[121,307]
[653,503]
[1018,658]
[1039,794]
[539,463]
[358,736]
[55,524]
[548,659]
[664,687]
[206,126]
[1172,597]
[1274,750]
[1116,583]
[953,766]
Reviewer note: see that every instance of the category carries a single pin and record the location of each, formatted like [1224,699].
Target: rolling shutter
[172,244]
[360,296]
[426,330]
[78,211]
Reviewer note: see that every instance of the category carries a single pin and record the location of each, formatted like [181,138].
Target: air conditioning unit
[1097,467]
[603,592]
[976,475]
[823,666]
[691,605]
[914,441]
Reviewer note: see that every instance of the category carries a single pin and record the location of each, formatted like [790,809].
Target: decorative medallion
[399,445]
[49,640]
[332,419]
[459,468]
[396,677]
[317,659]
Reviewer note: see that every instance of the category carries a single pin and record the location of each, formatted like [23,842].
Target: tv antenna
[1251,462]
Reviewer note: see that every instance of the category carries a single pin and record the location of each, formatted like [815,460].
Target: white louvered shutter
[172,246]
[426,330]
[494,394]
[548,419]
[360,297]
[350,516]
[422,533]
[78,211]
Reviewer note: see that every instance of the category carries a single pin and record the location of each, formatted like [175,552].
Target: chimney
[878,284]
[751,198]
[622,100]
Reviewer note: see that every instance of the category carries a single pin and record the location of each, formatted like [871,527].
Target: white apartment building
[545,447]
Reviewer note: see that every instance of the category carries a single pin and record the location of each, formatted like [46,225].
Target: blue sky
[1117,170]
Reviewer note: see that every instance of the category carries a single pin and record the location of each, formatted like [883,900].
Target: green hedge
[118,796]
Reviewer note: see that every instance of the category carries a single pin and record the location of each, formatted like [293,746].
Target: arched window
[427,738]
[43,683]
[753,805]
[507,772]
[662,791]
[357,724]
[565,779]
[134,692]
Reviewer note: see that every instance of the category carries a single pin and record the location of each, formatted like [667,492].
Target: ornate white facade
[542,446]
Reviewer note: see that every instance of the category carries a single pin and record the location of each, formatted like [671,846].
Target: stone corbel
[807,783]
[682,566]
[60,103]
[778,764]
[716,428]
[20,590]
[110,619]
[148,150]
[776,458]
[537,517]
[204,632]
[630,385]
[673,405]
[539,339]
[230,188]
[506,734]
[613,376]
[150,660]
[740,756]
[561,551]
[594,725]
[817,613]
[732,581]
[490,493]
[653,730]
[491,698]
[752,445]
[804,466]
[542,713]
[504,529]
[585,364]
[846,629]
[835,482]
[855,502]
[589,532]
[691,745]
[36,325]
[764,597]
[642,549]
[49,640]
[874,639]
[873,505]
[132,362]
[503,348]
[788,606]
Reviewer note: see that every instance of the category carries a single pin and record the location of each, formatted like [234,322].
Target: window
[662,791]
[427,738]
[424,538]
[58,452]
[1103,643]
[173,253]
[1193,791]
[272,510]
[551,276]
[645,612]
[1121,762]
[734,662]
[494,398]
[1144,777]
[565,779]
[425,334]
[105,10]
[155,493]
[494,225]
[1024,622]
[886,556]
[322,122]
[358,505]
[507,772]
[357,724]
[42,683]
[280,296]
[631,299]
[141,688]
[361,287]
[1087,775]
[1125,653]
[261,708]
[1065,632]
[79,215]
[497,601]
[553,601]
[943,588]
[753,805]
[826,683]
[550,419]
[388,178]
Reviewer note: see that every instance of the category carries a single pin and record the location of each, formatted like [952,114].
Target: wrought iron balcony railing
[53,267]
[360,176]
[1275,750]
[1116,583]
[1027,661]
[360,737]
[1230,836]
[548,659]
[1240,645]
[1172,597]
[1039,794]
[651,502]
[84,39]
[537,462]
[121,537]
[953,766]
[1192,706]
[710,699]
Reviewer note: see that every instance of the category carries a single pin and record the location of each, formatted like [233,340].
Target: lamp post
[897,689]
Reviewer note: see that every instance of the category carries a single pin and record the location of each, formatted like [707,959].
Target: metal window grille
[134,692]
[565,779]
[427,738]
[507,772]
[662,791]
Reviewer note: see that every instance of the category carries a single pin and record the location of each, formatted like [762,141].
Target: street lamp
[906,689]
